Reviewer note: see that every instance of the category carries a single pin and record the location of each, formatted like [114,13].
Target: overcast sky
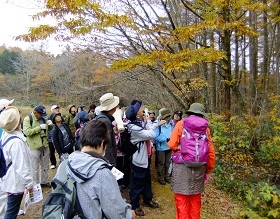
[15,18]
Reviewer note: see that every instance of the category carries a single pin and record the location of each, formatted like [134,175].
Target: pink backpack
[194,144]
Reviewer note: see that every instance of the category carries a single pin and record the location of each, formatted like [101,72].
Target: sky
[15,18]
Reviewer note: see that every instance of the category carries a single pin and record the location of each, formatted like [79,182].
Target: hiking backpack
[3,167]
[194,145]
[62,202]
[125,145]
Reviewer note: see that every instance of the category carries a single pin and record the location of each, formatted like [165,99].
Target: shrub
[264,202]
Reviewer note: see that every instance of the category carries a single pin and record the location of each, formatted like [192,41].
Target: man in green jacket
[35,127]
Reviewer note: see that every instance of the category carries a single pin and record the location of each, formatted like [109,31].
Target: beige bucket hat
[9,119]
[108,101]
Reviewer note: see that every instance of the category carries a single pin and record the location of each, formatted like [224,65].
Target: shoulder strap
[10,138]
[100,117]
[68,121]
[30,119]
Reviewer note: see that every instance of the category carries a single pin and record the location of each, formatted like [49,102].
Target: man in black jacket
[108,105]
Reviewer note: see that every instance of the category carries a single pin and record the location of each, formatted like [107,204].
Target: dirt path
[215,204]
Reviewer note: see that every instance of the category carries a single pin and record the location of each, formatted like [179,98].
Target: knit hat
[132,110]
[196,108]
[4,103]
[41,110]
[108,101]
[9,119]
[164,112]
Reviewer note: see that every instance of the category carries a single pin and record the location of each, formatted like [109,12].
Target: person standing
[98,192]
[69,118]
[16,153]
[36,132]
[62,137]
[177,117]
[187,179]
[140,181]
[163,152]
[54,110]
[108,105]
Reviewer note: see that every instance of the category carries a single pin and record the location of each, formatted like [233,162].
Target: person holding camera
[163,152]
[35,128]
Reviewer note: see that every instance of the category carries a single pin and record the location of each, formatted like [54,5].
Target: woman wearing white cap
[16,153]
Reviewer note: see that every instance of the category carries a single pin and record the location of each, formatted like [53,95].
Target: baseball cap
[54,107]
[41,110]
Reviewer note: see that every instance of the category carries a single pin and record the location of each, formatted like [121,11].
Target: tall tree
[165,38]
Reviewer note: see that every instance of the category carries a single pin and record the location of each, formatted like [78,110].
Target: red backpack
[194,145]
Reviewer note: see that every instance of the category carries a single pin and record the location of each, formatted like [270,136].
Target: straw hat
[108,101]
[9,119]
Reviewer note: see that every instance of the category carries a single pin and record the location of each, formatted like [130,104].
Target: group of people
[97,133]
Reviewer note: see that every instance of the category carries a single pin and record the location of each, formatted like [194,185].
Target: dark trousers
[13,206]
[126,170]
[123,164]
[140,184]
[163,163]
[52,154]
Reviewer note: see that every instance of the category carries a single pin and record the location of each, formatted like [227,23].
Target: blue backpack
[3,167]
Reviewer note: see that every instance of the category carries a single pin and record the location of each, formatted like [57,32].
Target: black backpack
[125,145]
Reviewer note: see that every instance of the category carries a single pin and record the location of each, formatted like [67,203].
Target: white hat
[97,110]
[4,103]
[9,119]
[54,107]
[108,101]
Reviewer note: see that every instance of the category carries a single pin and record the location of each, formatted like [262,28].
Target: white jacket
[18,176]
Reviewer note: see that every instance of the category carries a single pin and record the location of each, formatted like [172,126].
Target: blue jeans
[13,206]
[140,184]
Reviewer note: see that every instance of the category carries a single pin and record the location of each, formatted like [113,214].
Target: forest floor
[215,203]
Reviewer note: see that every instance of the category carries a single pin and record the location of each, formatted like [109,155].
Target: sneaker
[162,181]
[151,204]
[46,185]
[53,166]
[139,212]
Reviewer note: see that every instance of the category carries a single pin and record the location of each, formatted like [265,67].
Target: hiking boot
[168,180]
[46,185]
[139,212]
[162,181]
[151,204]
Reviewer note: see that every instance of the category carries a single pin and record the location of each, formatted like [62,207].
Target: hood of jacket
[83,166]
[69,107]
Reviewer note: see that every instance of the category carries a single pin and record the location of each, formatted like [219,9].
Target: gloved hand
[49,122]
[43,126]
